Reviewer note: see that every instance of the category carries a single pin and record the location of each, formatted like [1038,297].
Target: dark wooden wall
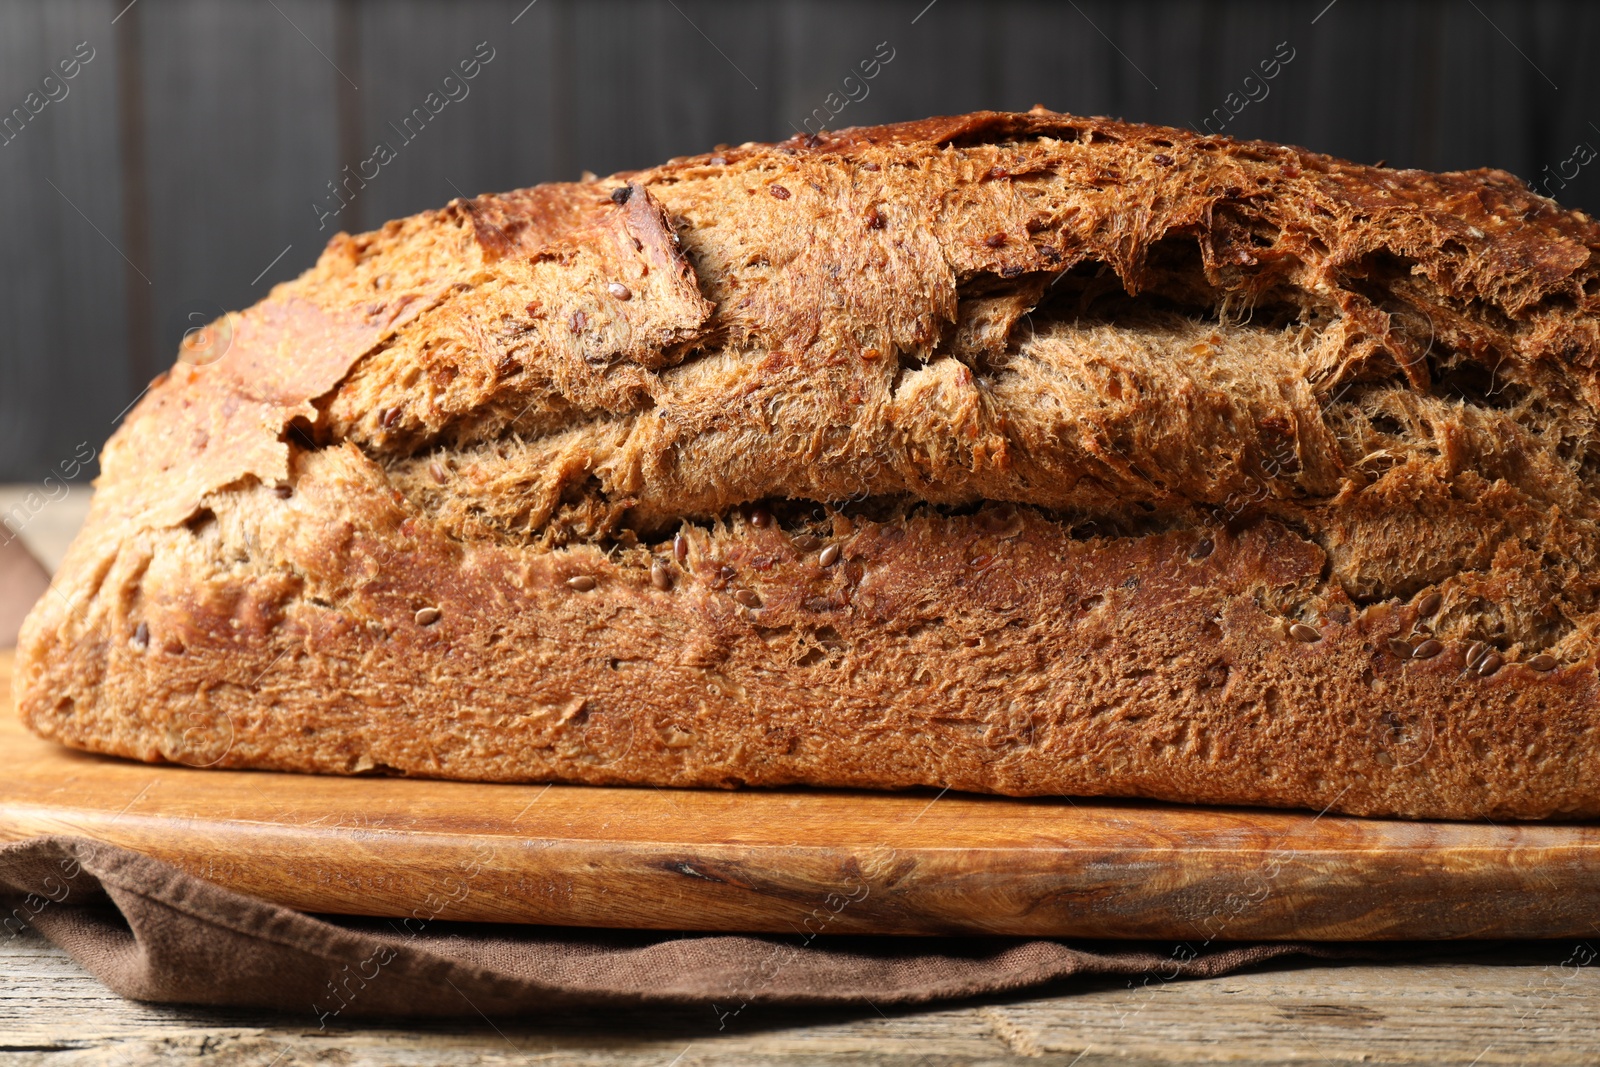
[188,153]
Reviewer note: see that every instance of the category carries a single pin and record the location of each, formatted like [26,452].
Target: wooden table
[1518,1006]
[1527,1003]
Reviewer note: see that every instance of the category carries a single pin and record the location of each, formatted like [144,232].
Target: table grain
[1529,1003]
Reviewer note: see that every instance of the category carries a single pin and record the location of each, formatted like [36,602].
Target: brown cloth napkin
[151,932]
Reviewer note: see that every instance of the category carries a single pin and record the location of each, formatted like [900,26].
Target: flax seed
[581,582]
[660,577]
[1427,650]
[829,556]
[426,616]
[1301,632]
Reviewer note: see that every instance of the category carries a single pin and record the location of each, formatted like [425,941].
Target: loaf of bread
[1016,453]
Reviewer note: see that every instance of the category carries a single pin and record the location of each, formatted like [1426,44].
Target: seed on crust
[1490,663]
[426,616]
[1544,661]
[748,598]
[1301,632]
[1203,548]
[1427,650]
[581,582]
[1475,653]
[829,556]
[1429,605]
[1400,647]
[660,577]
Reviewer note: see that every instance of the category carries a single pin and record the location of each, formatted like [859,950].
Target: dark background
[190,150]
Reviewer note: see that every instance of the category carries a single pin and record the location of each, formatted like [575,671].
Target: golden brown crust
[1147,460]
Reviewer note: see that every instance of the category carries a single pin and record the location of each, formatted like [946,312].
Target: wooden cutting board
[808,861]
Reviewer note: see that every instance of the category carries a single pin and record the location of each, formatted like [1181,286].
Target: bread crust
[1017,453]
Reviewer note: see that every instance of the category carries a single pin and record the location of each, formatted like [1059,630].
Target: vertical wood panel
[1052,56]
[494,137]
[134,182]
[1562,42]
[63,369]
[241,135]
[652,80]
[945,63]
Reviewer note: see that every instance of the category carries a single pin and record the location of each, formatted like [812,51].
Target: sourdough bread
[1019,453]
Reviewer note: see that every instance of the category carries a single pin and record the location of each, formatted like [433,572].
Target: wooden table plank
[1520,1006]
